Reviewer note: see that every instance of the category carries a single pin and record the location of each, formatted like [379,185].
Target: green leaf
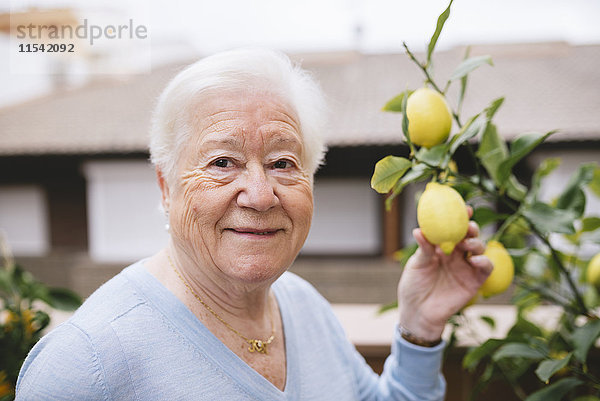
[492,150]
[396,103]
[434,156]
[573,200]
[42,319]
[556,391]
[5,282]
[387,172]
[587,398]
[417,173]
[523,328]
[545,168]
[405,253]
[387,307]
[468,131]
[63,299]
[525,299]
[463,83]
[489,320]
[517,350]
[584,337]
[484,216]
[491,110]
[520,148]
[548,219]
[591,223]
[515,189]
[572,197]
[469,65]
[405,120]
[546,369]
[490,373]
[438,30]
[594,185]
[475,355]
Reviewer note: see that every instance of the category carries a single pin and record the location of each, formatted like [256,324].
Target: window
[346,218]
[24,219]
[125,222]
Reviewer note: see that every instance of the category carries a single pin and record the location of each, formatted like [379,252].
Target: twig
[548,297]
[578,298]
[564,271]
[430,80]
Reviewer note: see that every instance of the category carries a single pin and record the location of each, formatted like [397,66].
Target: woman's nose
[257,190]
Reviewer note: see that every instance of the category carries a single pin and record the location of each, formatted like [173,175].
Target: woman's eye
[223,163]
[282,164]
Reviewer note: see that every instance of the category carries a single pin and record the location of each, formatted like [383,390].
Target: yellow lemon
[442,216]
[429,117]
[504,270]
[593,271]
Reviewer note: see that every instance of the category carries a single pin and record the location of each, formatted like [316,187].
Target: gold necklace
[259,346]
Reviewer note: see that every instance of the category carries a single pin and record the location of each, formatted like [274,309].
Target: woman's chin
[255,269]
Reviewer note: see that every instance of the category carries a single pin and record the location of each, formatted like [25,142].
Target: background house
[78,197]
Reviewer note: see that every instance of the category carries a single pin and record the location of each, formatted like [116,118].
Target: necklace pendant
[257,346]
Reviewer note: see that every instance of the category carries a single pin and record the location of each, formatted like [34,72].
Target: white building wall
[346,218]
[24,219]
[125,222]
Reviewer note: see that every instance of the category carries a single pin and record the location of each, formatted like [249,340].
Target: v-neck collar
[188,325]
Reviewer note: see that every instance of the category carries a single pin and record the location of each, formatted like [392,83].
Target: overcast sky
[189,28]
[310,25]
[326,25]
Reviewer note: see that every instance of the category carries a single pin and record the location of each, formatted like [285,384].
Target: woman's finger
[482,264]
[426,247]
[473,230]
[474,246]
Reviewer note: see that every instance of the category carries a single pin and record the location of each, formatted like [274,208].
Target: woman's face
[242,201]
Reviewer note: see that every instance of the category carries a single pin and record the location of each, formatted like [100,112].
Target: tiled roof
[103,117]
[547,86]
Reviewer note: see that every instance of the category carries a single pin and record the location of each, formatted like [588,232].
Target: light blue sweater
[134,340]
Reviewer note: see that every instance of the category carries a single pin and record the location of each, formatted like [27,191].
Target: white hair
[234,70]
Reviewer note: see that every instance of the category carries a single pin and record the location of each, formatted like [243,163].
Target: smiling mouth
[249,231]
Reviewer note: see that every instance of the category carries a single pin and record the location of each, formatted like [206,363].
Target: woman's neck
[189,281]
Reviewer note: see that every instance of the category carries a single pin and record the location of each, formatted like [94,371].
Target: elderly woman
[236,141]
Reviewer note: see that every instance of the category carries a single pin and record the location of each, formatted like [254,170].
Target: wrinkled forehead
[241,112]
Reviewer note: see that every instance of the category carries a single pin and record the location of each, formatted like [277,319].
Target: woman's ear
[164,189]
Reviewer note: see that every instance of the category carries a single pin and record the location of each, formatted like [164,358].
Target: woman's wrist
[417,340]
[416,329]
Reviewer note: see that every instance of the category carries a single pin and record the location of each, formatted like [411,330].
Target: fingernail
[477,259]
[471,241]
